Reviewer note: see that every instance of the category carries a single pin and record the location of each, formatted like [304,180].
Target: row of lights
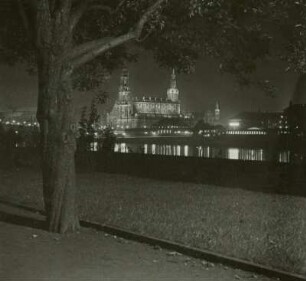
[169,132]
[246,133]
[17,123]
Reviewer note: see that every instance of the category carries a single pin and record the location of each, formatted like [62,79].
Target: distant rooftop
[166,122]
[151,99]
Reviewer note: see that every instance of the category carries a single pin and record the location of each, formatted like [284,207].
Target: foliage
[14,138]
[90,131]
[108,141]
[93,118]
[82,137]
[237,33]
[88,126]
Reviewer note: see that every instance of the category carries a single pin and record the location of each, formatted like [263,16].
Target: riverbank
[265,228]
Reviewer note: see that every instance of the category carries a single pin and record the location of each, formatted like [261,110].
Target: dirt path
[28,253]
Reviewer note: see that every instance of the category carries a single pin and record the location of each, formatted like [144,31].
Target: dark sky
[198,91]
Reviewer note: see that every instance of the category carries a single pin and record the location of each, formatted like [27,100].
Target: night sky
[198,91]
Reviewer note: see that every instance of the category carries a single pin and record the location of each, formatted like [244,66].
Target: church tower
[124,88]
[217,111]
[124,104]
[173,92]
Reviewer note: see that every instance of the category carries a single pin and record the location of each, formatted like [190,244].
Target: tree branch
[88,51]
[84,7]
[145,17]
[77,15]
[87,47]
[100,49]
[143,38]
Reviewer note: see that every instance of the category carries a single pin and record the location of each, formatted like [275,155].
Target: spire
[124,80]
[173,92]
[173,79]
[217,105]
[217,111]
[124,88]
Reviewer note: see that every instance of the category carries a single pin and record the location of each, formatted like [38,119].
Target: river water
[233,153]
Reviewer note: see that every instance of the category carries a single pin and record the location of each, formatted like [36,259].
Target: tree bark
[53,40]
[56,118]
[58,145]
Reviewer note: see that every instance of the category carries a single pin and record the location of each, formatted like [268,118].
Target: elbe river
[233,153]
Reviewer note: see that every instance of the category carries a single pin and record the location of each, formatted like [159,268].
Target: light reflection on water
[232,153]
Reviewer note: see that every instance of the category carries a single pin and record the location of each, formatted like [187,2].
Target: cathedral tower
[124,104]
[173,92]
[217,111]
[124,88]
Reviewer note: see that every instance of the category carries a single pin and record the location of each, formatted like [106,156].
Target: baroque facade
[132,112]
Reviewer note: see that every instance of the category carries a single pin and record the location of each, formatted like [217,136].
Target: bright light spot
[233,153]
[153,148]
[234,124]
[178,150]
[186,150]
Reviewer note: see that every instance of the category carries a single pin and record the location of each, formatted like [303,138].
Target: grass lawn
[261,227]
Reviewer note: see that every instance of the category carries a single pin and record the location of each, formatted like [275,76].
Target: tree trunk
[58,145]
[55,115]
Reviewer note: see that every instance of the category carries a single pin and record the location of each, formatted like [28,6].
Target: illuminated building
[293,120]
[171,126]
[149,113]
[212,116]
[253,123]
[132,112]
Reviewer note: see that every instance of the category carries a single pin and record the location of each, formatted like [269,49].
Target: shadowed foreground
[264,228]
[29,253]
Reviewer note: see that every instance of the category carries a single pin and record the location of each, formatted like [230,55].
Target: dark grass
[264,228]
